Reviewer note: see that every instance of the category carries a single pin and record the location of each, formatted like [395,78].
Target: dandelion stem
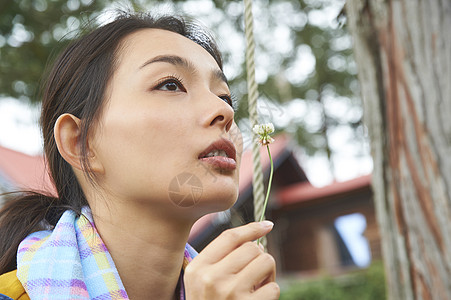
[262,217]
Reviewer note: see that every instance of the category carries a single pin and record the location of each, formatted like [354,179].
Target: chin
[213,202]
[222,199]
[206,194]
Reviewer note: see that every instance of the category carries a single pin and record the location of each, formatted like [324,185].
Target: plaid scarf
[72,262]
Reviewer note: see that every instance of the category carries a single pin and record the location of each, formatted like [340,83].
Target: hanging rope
[253,115]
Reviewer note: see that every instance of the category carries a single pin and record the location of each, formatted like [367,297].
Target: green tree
[30,32]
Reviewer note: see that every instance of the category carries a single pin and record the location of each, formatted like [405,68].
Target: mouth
[221,154]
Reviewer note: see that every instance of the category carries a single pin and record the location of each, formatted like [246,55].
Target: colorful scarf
[72,262]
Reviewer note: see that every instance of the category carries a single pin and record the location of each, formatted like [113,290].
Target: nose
[218,113]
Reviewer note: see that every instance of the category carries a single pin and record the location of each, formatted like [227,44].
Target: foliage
[301,55]
[29,32]
[366,284]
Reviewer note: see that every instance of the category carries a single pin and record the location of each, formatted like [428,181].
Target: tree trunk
[403,53]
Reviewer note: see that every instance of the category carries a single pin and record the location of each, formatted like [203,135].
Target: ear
[67,132]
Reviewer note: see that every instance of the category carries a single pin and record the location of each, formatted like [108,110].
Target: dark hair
[76,84]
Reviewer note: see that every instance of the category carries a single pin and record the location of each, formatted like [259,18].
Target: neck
[146,245]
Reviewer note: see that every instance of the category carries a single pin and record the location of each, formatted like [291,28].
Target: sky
[19,128]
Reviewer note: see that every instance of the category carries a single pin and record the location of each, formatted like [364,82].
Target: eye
[229,99]
[171,84]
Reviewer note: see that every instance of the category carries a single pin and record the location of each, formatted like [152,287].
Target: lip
[226,163]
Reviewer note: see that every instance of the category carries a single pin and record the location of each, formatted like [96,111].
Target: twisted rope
[257,179]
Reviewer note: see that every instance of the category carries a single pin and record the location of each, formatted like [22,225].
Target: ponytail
[21,215]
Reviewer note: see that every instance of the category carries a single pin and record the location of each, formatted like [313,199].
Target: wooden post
[403,53]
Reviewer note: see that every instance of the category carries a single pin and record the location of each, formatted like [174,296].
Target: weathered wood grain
[403,53]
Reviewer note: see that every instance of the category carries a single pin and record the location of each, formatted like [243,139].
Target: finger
[261,269]
[239,258]
[231,239]
[270,291]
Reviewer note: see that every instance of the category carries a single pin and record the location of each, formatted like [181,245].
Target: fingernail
[267,224]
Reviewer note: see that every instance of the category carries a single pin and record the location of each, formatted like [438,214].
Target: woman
[127,109]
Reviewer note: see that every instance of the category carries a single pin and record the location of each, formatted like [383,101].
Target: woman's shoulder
[11,288]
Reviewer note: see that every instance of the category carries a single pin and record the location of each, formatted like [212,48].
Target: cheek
[142,152]
[140,130]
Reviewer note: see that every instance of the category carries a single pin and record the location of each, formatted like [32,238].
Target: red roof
[304,192]
[25,171]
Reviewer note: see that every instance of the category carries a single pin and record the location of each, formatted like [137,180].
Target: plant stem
[262,217]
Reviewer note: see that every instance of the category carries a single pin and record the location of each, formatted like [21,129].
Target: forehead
[144,44]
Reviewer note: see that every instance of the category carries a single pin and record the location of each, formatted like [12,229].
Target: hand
[233,267]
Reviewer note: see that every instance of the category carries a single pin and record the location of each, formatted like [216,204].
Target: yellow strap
[11,286]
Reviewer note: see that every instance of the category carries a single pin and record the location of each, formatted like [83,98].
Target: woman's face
[167,110]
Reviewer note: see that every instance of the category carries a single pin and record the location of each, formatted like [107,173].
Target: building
[307,240]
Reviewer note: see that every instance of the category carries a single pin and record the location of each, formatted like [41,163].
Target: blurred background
[325,241]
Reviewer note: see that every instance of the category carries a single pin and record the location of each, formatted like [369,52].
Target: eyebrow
[183,62]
